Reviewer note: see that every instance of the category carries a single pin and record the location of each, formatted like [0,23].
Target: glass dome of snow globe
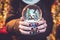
[32,13]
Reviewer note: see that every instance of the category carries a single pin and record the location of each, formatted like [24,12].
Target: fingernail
[36,28]
[37,24]
[31,28]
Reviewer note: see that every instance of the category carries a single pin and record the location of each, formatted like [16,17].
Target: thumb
[21,18]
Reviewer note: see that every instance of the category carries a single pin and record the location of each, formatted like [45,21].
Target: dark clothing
[45,6]
[35,37]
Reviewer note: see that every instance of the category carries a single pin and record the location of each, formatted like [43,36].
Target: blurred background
[12,6]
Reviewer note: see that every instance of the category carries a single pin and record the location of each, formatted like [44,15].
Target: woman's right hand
[24,27]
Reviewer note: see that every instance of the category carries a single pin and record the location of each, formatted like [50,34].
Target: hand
[41,25]
[24,27]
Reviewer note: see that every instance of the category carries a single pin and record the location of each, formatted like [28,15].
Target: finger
[41,22]
[24,27]
[24,32]
[41,19]
[42,26]
[42,30]
[22,19]
[24,23]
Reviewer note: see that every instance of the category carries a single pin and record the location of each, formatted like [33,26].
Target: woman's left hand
[42,25]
